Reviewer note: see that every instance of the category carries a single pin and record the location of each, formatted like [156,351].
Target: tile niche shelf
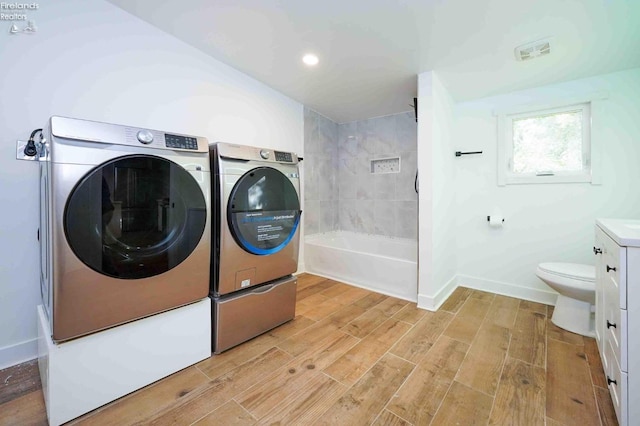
[385,165]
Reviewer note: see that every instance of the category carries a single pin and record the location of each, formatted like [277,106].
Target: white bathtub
[382,264]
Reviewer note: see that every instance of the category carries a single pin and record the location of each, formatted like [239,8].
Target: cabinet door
[617,381]
[615,267]
[615,320]
[600,276]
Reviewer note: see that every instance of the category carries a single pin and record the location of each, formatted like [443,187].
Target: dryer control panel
[249,153]
[284,157]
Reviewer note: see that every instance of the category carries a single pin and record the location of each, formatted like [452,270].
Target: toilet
[576,284]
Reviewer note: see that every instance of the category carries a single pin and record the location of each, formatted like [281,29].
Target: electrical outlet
[20,155]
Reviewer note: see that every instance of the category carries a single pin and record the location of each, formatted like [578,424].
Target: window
[550,145]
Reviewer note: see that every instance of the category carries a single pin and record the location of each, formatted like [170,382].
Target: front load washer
[256,240]
[125,224]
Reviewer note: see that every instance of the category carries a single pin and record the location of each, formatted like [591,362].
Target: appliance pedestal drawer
[243,315]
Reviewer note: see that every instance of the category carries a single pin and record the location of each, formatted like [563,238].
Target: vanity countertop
[625,232]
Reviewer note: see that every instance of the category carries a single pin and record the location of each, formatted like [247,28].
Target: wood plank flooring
[356,357]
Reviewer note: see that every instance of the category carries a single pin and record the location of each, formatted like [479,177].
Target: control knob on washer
[145,136]
[264,154]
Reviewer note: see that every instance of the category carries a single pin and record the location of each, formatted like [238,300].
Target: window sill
[534,179]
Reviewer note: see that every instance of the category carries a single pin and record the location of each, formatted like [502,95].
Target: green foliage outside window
[548,143]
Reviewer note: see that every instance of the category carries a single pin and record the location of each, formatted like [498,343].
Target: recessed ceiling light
[310,59]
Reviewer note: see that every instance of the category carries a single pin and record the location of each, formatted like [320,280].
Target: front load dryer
[256,243]
[257,214]
[125,224]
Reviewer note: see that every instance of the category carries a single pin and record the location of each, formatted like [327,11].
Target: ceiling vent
[533,50]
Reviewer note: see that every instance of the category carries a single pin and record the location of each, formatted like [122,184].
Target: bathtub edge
[386,293]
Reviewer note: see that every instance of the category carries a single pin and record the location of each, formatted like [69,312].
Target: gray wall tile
[365,216]
[405,181]
[339,185]
[365,189]
[407,132]
[384,186]
[311,133]
[311,217]
[348,139]
[311,189]
[407,219]
[347,187]
[326,178]
[347,215]
[367,138]
[328,136]
[385,136]
[321,173]
[326,212]
[384,217]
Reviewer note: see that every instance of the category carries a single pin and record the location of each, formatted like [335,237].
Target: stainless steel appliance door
[263,211]
[135,217]
[259,233]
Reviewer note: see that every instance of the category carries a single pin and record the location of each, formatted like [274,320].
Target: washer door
[135,217]
[263,211]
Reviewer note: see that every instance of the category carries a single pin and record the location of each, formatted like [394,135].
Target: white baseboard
[18,353]
[432,303]
[301,269]
[376,290]
[547,297]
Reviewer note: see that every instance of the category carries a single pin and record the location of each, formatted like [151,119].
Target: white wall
[552,222]
[89,59]
[445,255]
[437,252]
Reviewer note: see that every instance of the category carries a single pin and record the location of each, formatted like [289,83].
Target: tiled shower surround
[341,193]
[320,166]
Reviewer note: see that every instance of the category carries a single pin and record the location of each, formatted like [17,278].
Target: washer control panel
[114,134]
[182,142]
[145,136]
[265,154]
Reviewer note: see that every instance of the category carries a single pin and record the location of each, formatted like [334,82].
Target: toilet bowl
[575,284]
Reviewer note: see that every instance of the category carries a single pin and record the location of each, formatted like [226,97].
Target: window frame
[506,176]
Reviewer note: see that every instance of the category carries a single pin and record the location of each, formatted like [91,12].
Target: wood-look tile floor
[355,357]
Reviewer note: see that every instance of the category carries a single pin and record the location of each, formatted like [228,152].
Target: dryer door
[263,211]
[135,217]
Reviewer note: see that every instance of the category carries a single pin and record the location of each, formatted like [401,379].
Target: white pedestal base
[574,315]
[84,374]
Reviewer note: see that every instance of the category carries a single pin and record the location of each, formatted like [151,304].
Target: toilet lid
[570,270]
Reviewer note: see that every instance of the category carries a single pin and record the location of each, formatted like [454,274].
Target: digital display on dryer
[284,157]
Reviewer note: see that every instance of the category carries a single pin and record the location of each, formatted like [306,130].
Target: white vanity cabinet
[617,327]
